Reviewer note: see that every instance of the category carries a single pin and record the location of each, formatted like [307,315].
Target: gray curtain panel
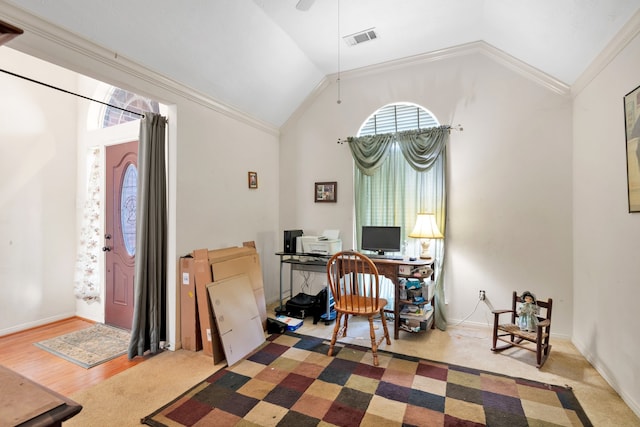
[149,317]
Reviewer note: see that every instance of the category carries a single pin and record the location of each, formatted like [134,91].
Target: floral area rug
[290,381]
[89,347]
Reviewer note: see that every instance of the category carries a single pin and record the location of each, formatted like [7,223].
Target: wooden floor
[18,353]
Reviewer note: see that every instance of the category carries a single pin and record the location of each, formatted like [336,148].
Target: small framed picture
[632,148]
[253,179]
[326,192]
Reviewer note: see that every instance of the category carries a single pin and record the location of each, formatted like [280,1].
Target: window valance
[421,148]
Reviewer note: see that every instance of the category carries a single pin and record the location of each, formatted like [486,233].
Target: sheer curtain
[87,276]
[149,317]
[397,176]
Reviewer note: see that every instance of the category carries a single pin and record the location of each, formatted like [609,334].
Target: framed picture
[326,192]
[632,134]
[253,179]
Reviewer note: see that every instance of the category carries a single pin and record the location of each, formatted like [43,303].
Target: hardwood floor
[18,353]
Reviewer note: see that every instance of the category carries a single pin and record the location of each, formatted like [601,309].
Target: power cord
[470,314]
[306,284]
[489,306]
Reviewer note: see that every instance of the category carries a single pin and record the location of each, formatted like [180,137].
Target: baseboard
[489,328]
[604,373]
[36,324]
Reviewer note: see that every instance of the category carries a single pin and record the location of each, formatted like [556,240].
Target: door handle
[107,248]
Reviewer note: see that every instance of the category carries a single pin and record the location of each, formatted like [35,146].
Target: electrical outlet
[481,296]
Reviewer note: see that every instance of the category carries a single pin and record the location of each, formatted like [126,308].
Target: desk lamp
[426,229]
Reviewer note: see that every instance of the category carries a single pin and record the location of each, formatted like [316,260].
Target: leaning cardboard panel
[237,316]
[190,335]
[211,345]
[230,262]
[219,264]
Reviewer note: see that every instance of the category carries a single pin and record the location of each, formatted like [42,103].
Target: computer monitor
[381,239]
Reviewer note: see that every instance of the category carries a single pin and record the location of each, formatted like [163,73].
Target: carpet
[290,381]
[89,347]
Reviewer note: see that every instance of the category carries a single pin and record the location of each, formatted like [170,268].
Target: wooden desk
[26,403]
[390,268]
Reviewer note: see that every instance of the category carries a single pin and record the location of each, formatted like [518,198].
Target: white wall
[510,175]
[606,236]
[523,203]
[215,207]
[37,194]
[211,149]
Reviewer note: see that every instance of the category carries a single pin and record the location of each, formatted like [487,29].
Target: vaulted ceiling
[264,57]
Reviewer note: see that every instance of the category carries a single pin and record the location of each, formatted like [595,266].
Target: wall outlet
[481,296]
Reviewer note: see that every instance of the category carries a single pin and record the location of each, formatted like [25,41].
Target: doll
[527,312]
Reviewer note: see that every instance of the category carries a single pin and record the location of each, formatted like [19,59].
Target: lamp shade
[426,227]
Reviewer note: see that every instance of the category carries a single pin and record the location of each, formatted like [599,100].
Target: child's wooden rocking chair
[512,335]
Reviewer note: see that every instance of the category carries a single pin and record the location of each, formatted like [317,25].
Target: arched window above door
[129,101]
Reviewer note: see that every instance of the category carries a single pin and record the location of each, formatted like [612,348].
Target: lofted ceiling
[265,57]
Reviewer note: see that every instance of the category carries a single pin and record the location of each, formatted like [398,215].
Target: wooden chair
[355,284]
[511,334]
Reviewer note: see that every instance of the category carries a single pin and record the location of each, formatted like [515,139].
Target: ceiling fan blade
[304,5]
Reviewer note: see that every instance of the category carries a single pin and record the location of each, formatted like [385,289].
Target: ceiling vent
[361,37]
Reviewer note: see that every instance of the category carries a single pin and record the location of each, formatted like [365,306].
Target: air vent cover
[361,37]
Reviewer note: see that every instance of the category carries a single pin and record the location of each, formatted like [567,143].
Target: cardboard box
[292,322]
[219,264]
[211,344]
[190,335]
[230,262]
[237,317]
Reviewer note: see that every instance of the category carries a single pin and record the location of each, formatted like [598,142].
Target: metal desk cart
[316,263]
[392,269]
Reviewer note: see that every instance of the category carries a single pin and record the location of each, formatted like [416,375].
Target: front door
[121,172]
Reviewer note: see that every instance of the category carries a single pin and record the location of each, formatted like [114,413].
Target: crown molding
[479,46]
[628,32]
[53,44]
[39,34]
[524,69]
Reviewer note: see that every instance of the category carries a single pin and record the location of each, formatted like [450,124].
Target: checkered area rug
[290,381]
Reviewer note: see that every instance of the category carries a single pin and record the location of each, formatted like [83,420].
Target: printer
[328,243]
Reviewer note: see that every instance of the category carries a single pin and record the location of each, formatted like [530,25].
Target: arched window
[390,192]
[396,118]
[397,192]
[129,101]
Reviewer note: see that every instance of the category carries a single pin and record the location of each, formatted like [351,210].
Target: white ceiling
[264,57]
